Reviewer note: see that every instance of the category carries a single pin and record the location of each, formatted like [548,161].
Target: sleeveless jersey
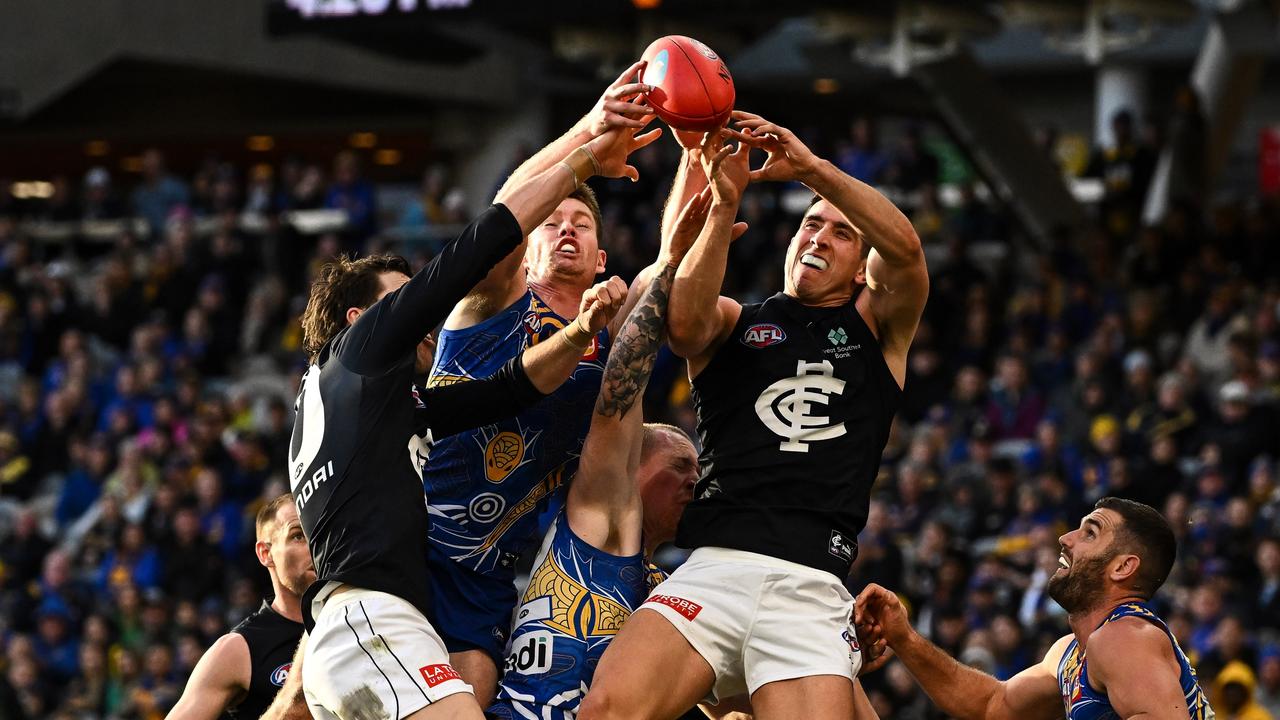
[485,488]
[577,599]
[1082,702]
[272,640]
[793,412]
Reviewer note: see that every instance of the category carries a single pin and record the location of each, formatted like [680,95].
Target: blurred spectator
[160,193]
[1233,694]
[1125,168]
[353,193]
[861,156]
[98,201]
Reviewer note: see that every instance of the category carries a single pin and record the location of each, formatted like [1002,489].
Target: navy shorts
[470,610]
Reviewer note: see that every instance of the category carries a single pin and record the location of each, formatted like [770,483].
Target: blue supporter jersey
[1082,702]
[577,599]
[486,487]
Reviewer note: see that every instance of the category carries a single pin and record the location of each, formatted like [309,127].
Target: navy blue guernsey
[272,639]
[793,413]
[359,438]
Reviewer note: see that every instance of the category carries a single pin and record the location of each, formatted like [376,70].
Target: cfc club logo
[762,335]
[787,406]
[531,654]
[279,674]
[841,547]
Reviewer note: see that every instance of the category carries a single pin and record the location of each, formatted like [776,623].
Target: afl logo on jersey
[762,335]
[279,674]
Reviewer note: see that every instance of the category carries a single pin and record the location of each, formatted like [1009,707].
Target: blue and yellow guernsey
[577,599]
[485,488]
[1083,702]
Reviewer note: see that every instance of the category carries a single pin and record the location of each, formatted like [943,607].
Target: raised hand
[615,108]
[600,303]
[788,158]
[727,169]
[881,611]
[612,149]
[688,225]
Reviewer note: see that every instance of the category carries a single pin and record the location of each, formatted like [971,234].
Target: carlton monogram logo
[787,406]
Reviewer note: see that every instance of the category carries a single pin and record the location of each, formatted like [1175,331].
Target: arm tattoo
[631,359]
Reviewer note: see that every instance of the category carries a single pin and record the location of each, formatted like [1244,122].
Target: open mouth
[1063,562]
[813,261]
[567,248]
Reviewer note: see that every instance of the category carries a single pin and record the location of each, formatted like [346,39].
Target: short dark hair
[1147,534]
[341,284]
[267,514]
[865,250]
[585,195]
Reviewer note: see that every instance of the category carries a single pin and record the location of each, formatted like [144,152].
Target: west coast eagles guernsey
[577,599]
[1082,702]
[485,488]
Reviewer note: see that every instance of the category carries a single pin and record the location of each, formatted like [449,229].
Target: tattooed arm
[603,507]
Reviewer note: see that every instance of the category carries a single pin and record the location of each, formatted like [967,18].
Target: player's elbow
[688,333]
[602,704]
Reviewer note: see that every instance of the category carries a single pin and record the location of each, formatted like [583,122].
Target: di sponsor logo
[436,674]
[687,608]
[531,653]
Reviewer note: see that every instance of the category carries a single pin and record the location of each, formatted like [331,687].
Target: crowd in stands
[146,395]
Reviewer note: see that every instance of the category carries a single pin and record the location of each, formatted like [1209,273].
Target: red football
[692,88]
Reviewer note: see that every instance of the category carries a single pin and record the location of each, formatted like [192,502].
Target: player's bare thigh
[818,697]
[477,670]
[649,672]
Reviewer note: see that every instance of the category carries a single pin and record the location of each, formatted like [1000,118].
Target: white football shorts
[757,619]
[372,654]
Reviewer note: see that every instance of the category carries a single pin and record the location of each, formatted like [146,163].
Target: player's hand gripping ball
[692,88]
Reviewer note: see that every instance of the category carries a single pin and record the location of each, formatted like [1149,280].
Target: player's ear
[352,314]
[1124,567]
[600,265]
[860,277]
[263,551]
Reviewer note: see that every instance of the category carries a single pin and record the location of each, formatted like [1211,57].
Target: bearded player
[794,398]
[1120,660]
[487,487]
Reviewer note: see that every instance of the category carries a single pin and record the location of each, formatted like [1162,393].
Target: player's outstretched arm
[615,109]
[896,272]
[219,680]
[604,506]
[391,329]
[959,690]
[289,702]
[689,182]
[700,319]
[1132,661]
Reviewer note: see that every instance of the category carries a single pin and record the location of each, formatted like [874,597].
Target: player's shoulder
[227,662]
[1053,658]
[232,647]
[1125,635]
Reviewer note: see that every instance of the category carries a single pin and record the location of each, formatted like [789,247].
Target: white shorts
[372,654]
[757,619]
